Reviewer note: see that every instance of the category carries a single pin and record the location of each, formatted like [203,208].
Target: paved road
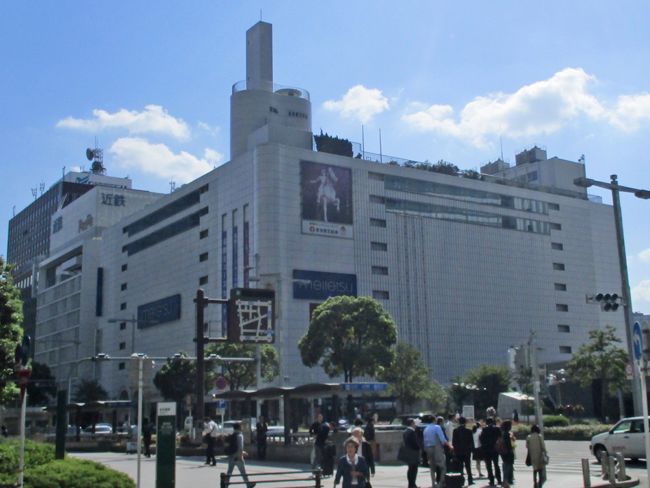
[564,470]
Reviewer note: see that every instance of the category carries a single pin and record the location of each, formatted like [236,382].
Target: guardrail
[313,478]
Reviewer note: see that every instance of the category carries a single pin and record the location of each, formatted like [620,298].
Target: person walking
[236,458]
[147,432]
[489,437]
[210,438]
[352,468]
[463,443]
[435,443]
[477,454]
[369,434]
[413,459]
[320,429]
[366,449]
[537,456]
[260,436]
[507,453]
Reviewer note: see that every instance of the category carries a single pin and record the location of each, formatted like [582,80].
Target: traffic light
[609,302]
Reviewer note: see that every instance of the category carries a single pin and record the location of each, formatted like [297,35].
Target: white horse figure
[326,192]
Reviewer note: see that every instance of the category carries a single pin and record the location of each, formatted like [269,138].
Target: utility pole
[532,355]
[625,282]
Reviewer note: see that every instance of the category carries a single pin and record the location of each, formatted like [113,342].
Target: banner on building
[326,200]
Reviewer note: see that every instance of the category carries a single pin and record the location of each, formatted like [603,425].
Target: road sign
[637,341]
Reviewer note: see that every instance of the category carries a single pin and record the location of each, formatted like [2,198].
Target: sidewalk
[192,472]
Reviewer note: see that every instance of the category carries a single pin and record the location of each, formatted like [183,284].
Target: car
[626,437]
[101,430]
[227,427]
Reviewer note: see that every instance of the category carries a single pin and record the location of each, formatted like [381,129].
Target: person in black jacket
[321,430]
[411,442]
[488,439]
[366,450]
[463,443]
[508,456]
[352,468]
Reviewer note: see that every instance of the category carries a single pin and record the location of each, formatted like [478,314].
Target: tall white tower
[262,112]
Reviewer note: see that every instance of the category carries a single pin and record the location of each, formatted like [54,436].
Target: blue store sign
[164,310]
[316,285]
[364,386]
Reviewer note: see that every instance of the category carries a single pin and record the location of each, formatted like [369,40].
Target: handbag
[528,463]
[545,458]
[408,456]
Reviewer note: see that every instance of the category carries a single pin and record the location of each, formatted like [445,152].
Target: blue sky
[442,80]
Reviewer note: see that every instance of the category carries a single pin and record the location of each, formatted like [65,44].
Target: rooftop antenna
[35,193]
[172,186]
[381,158]
[501,144]
[63,172]
[363,143]
[96,155]
[41,187]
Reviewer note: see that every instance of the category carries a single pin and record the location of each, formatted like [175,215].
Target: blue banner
[316,285]
[164,310]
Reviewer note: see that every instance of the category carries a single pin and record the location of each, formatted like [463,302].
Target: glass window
[122,345]
[379,270]
[163,213]
[377,222]
[557,246]
[565,329]
[379,246]
[559,266]
[125,267]
[565,349]
[622,427]
[553,206]
[377,199]
[123,286]
[561,307]
[380,294]
[560,286]
[203,257]
[121,366]
[203,280]
[123,306]
[556,226]
[203,234]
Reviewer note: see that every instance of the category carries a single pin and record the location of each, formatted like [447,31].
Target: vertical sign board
[166,445]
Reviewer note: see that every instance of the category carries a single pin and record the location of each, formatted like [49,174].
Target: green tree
[41,387]
[437,396]
[347,335]
[601,359]
[242,375]
[11,317]
[90,391]
[407,375]
[489,381]
[176,379]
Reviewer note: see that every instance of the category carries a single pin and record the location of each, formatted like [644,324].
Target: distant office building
[30,231]
[467,266]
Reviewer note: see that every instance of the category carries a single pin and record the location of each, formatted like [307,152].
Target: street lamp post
[625,281]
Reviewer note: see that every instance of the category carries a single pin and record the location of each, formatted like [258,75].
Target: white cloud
[213,130]
[641,293]
[359,103]
[630,111]
[153,119]
[212,156]
[645,255]
[158,160]
[542,107]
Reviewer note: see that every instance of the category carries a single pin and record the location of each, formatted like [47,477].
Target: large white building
[467,267]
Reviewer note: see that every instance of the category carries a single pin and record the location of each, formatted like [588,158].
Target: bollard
[621,476]
[604,465]
[611,470]
[586,480]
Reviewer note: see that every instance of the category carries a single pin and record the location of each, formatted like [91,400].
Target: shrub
[76,473]
[555,421]
[36,454]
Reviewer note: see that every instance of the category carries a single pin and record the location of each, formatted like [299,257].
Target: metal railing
[286,90]
[312,479]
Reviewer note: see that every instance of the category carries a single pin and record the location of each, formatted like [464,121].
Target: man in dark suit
[463,443]
[411,442]
[488,439]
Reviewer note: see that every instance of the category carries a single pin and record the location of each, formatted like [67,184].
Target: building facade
[467,267]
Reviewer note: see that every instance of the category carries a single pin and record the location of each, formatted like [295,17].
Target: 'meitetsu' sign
[317,285]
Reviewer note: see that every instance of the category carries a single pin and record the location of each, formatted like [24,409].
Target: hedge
[566,433]
[76,473]
[43,471]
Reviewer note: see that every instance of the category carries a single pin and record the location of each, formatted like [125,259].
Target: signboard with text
[318,285]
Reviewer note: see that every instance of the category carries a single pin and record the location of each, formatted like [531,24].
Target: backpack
[500,446]
[231,444]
